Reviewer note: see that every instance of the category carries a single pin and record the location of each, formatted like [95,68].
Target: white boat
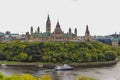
[64,67]
[3,66]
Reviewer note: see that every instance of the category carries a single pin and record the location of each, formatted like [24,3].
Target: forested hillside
[57,52]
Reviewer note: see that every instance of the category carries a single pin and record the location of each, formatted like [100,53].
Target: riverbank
[85,65]
[94,64]
[52,65]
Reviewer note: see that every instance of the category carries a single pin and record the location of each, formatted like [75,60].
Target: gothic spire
[87,30]
[48,18]
[76,31]
[69,30]
[87,34]
[58,29]
[58,25]
[48,25]
[38,30]
[31,30]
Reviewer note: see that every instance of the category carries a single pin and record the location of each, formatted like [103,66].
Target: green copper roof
[69,35]
[45,34]
[115,39]
[1,34]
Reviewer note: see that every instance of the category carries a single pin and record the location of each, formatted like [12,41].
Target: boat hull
[64,69]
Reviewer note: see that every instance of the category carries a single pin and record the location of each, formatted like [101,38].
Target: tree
[110,55]
[94,57]
[22,57]
[2,56]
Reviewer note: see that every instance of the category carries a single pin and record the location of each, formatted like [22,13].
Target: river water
[100,73]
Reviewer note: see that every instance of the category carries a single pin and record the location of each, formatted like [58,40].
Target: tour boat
[3,66]
[64,67]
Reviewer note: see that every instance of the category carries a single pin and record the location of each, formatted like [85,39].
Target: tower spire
[48,18]
[87,30]
[48,25]
[69,30]
[87,34]
[38,30]
[58,25]
[31,30]
[75,31]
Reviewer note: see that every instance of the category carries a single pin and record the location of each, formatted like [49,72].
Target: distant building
[105,40]
[115,42]
[1,36]
[113,39]
[8,36]
[56,35]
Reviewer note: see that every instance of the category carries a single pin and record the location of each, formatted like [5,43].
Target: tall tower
[75,32]
[38,30]
[48,25]
[87,34]
[69,30]
[31,30]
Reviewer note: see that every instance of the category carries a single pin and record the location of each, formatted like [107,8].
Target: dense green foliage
[24,77]
[61,52]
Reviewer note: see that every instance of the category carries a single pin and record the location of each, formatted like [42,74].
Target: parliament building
[56,35]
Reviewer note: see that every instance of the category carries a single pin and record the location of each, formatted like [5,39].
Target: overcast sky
[102,16]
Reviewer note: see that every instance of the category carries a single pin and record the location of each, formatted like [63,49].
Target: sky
[101,16]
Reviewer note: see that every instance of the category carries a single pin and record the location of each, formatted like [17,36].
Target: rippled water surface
[101,73]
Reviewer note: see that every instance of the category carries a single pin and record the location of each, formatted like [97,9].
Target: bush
[24,77]
[84,78]
[110,55]
[2,56]
[46,77]
[1,76]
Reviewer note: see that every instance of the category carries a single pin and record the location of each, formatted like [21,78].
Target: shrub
[45,77]
[24,77]
[84,78]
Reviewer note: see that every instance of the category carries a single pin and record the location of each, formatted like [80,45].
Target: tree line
[57,52]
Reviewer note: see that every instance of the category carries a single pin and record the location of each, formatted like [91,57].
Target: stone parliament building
[56,35]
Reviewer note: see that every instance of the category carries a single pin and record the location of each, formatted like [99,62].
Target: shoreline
[84,65]
[52,65]
[94,64]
